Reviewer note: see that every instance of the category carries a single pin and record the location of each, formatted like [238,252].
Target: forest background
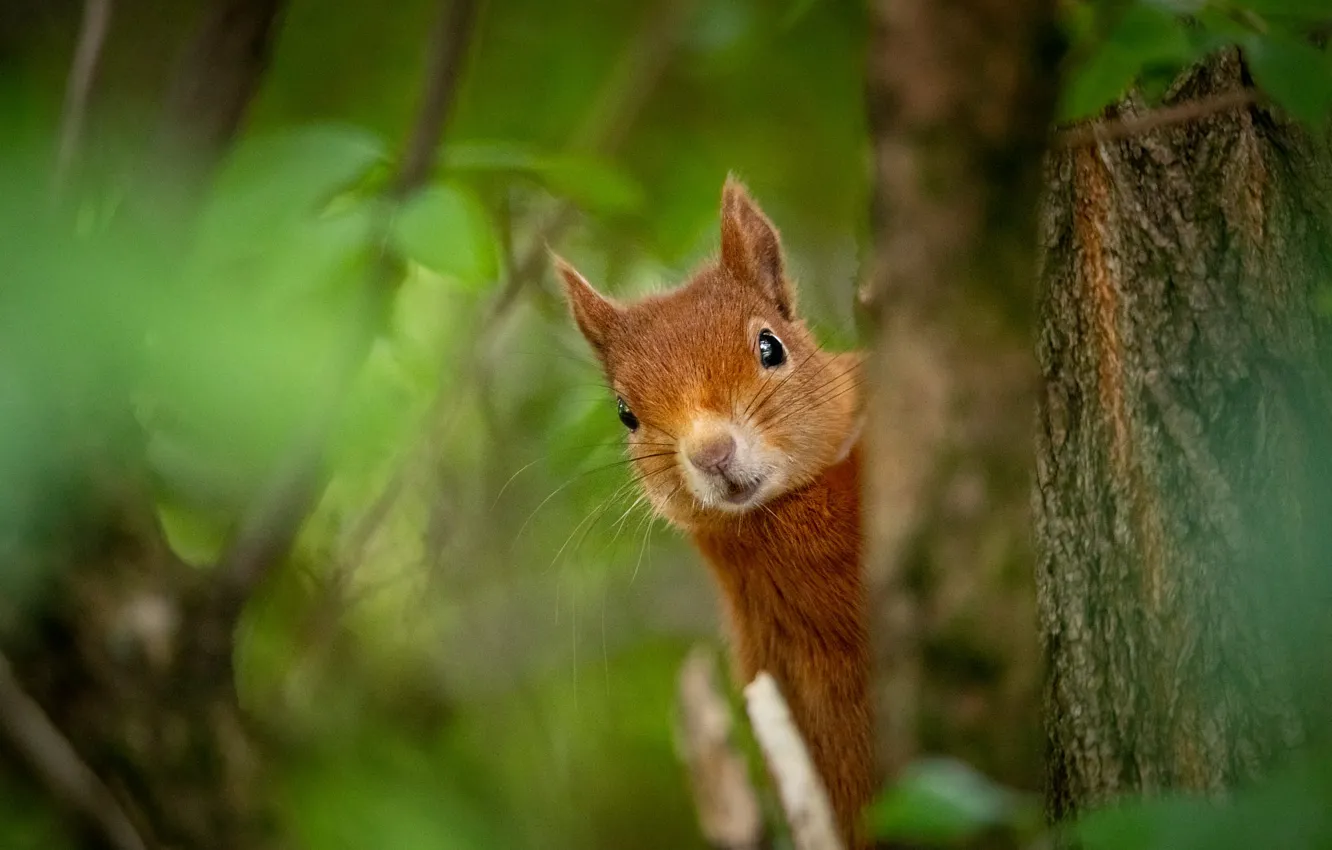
[315,532]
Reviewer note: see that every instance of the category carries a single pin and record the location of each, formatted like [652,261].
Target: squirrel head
[729,402]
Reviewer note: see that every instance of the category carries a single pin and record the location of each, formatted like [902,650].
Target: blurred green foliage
[503,671]
[26,821]
[945,802]
[941,804]
[1115,45]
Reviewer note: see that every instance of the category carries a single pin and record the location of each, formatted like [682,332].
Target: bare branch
[57,763]
[1108,131]
[803,796]
[78,88]
[728,807]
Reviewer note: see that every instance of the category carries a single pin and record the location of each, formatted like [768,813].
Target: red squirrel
[744,434]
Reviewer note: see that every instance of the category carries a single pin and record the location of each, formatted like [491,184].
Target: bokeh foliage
[475,641]
[500,669]
[1146,44]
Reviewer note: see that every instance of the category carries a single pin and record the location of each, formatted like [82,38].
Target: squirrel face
[728,400]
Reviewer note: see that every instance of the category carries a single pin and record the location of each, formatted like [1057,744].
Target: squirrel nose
[712,453]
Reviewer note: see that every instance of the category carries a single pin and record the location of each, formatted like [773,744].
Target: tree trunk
[960,96]
[1182,495]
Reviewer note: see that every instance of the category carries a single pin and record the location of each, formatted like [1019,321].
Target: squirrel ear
[750,246]
[593,312]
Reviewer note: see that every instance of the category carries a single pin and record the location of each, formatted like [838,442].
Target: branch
[1107,131]
[57,763]
[444,66]
[269,529]
[728,807]
[78,88]
[803,797]
[217,76]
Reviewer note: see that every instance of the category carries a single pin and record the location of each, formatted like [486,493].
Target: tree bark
[1183,459]
[960,95]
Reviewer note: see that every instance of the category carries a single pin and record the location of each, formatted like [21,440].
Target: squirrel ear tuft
[594,313]
[751,248]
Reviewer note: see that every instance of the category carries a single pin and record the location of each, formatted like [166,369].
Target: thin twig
[1123,128]
[58,764]
[727,805]
[269,529]
[78,88]
[803,797]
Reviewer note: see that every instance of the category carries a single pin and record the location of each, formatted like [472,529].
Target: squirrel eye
[626,415]
[771,351]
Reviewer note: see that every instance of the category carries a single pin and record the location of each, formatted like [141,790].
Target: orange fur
[787,556]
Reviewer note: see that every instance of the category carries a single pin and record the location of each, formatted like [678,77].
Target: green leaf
[489,156]
[589,182]
[1151,32]
[445,229]
[1100,82]
[1287,810]
[317,157]
[1294,74]
[321,252]
[942,801]
[1146,35]
[275,179]
[195,539]
[1142,825]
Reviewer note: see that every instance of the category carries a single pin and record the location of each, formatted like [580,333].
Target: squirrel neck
[791,577]
[797,558]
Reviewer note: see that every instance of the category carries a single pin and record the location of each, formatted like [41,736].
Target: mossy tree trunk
[1184,469]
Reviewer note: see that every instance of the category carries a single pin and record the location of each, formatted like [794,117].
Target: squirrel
[744,434]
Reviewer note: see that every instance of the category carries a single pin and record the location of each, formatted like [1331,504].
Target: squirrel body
[788,594]
[743,433]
